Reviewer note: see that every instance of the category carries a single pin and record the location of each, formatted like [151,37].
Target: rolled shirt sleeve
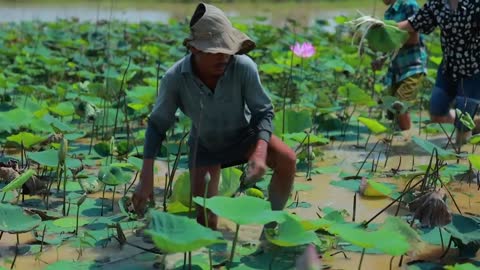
[162,116]
[258,102]
[424,20]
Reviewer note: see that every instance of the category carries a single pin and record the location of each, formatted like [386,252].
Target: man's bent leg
[283,161]
[197,179]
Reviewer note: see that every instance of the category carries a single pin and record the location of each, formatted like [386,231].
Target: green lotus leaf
[14,220]
[103,149]
[465,228]
[62,109]
[71,265]
[171,233]
[465,266]
[295,121]
[49,158]
[234,209]
[69,222]
[387,38]
[475,160]
[19,181]
[291,233]
[28,139]
[429,147]
[373,125]
[229,183]
[113,176]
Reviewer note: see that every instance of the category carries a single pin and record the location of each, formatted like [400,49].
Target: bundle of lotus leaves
[382,36]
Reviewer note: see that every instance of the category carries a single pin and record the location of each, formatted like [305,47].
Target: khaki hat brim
[229,42]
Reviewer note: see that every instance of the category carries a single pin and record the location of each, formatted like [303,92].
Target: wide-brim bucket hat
[212,32]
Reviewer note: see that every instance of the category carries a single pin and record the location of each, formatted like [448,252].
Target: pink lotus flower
[304,50]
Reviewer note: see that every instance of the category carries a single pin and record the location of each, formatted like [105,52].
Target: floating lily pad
[50,158]
[172,233]
[465,266]
[259,211]
[69,222]
[73,265]
[327,170]
[14,220]
[294,205]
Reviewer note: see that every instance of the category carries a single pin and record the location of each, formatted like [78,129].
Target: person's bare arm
[405,25]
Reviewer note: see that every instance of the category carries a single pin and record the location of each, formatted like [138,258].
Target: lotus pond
[74,97]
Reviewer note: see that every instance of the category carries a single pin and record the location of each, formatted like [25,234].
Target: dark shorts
[464,93]
[234,155]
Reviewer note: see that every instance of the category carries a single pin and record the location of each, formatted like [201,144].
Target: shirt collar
[187,64]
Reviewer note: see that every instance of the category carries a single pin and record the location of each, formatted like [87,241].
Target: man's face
[211,64]
[389,2]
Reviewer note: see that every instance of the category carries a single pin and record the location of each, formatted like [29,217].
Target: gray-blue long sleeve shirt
[220,117]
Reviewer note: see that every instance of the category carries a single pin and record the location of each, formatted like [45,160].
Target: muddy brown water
[322,195]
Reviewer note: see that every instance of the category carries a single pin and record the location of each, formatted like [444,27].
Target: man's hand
[144,190]
[257,164]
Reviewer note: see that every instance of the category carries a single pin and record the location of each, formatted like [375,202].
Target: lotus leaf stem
[1,235]
[394,201]
[448,247]
[206,217]
[120,94]
[365,160]
[103,198]
[43,236]
[441,238]
[361,259]
[64,187]
[91,137]
[16,252]
[113,198]
[354,206]
[232,255]
[133,182]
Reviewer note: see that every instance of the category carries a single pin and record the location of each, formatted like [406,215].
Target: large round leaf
[464,228]
[229,183]
[291,233]
[242,210]
[19,181]
[71,265]
[28,139]
[295,121]
[387,38]
[69,222]
[14,220]
[399,238]
[49,158]
[113,176]
[172,233]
